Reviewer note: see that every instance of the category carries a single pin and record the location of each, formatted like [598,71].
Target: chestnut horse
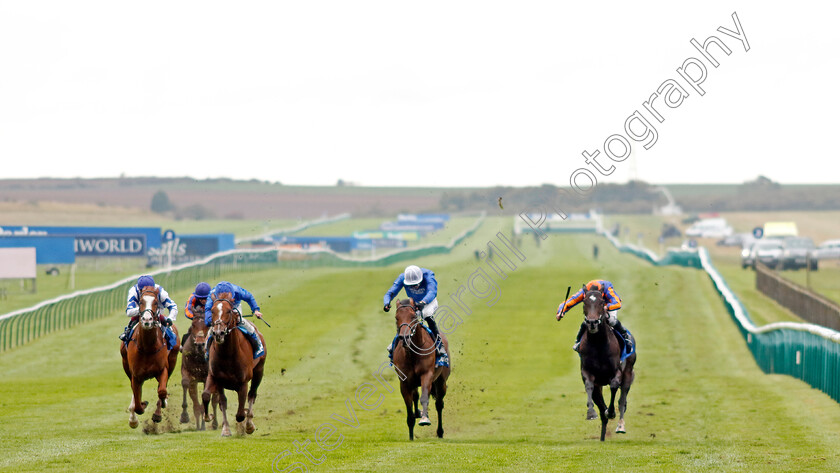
[145,356]
[600,365]
[414,360]
[194,370]
[232,364]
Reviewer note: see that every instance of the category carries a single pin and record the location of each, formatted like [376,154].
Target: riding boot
[576,346]
[124,335]
[436,335]
[623,332]
[256,344]
[207,347]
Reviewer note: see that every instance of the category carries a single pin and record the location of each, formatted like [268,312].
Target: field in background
[822,225]
[515,399]
[94,272]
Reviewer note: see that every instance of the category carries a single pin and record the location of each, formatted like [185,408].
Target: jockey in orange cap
[613,304]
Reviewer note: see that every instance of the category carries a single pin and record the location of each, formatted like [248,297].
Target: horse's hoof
[240,418]
[425,421]
[133,423]
[620,431]
[417,414]
[610,415]
[250,427]
[225,432]
[156,418]
[440,433]
[215,424]
[591,416]
[185,418]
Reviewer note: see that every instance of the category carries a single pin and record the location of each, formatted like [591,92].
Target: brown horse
[232,364]
[145,356]
[600,365]
[414,360]
[194,370]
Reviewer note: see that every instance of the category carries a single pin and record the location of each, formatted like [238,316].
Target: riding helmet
[144,281]
[413,275]
[202,290]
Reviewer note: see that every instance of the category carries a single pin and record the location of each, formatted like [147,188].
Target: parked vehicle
[829,249]
[798,253]
[710,228]
[744,240]
[767,251]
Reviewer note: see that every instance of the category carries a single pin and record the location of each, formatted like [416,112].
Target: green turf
[515,402]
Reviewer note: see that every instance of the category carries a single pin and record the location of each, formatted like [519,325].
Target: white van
[710,228]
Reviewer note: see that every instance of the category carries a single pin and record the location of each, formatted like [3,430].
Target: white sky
[451,93]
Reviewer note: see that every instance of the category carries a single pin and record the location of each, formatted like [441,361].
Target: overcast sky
[452,93]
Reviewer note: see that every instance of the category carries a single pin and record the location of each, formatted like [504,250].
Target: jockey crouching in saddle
[613,303]
[420,285]
[239,294]
[133,310]
[198,299]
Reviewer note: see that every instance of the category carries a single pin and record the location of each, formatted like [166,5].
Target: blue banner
[48,250]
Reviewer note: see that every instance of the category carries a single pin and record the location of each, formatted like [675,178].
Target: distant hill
[254,199]
[225,198]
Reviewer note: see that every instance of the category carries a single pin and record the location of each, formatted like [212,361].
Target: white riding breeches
[612,317]
[429,310]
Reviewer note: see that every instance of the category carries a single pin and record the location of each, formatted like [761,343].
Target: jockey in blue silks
[420,285]
[133,310]
[613,303]
[239,294]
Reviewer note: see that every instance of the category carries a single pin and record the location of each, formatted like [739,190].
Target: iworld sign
[110,245]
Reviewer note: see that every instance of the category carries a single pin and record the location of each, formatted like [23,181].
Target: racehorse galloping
[194,370]
[414,359]
[232,364]
[145,356]
[600,365]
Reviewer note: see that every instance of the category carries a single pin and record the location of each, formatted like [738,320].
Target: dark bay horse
[600,365]
[232,364]
[194,370]
[145,356]
[414,360]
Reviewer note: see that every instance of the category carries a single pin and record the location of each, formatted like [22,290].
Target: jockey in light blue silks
[239,294]
[420,285]
[133,310]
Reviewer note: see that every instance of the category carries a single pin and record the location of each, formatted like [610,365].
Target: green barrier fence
[22,326]
[805,351]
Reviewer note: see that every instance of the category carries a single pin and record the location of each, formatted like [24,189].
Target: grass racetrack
[515,402]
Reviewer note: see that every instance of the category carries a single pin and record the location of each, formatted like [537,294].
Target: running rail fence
[22,326]
[805,351]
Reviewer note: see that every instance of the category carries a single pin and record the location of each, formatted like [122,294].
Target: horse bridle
[594,325]
[412,326]
[155,315]
[229,325]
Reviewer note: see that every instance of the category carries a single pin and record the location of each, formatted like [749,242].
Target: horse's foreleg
[425,389]
[223,406]
[611,408]
[415,396]
[198,411]
[137,391]
[590,406]
[209,390]
[440,392]
[185,386]
[598,398]
[408,394]
[215,424]
[242,394]
[133,422]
